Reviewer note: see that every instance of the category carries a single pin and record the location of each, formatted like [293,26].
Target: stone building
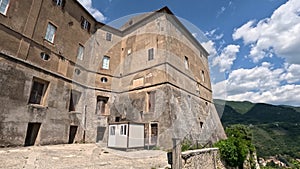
[65,76]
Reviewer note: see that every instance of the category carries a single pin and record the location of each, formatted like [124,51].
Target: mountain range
[275,128]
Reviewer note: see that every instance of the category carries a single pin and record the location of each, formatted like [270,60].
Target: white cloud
[279,34]
[292,74]
[261,84]
[209,46]
[226,58]
[95,12]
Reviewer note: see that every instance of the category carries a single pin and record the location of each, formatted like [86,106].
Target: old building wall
[52,112]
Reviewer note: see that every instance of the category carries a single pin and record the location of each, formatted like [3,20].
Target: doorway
[154,133]
[32,132]
[100,133]
[72,134]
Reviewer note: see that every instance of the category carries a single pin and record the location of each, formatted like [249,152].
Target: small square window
[4,6]
[108,36]
[38,90]
[85,24]
[80,52]
[105,62]
[150,54]
[50,33]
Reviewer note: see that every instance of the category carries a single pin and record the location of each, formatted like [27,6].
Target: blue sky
[254,45]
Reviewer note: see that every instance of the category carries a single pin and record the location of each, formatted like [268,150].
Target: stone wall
[202,159]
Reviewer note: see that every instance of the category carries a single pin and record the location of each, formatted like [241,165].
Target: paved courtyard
[73,156]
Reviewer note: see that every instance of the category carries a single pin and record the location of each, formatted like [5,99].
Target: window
[186,62]
[80,52]
[38,91]
[202,76]
[123,130]
[85,24]
[150,54]
[50,34]
[59,2]
[112,130]
[74,99]
[108,36]
[150,100]
[201,124]
[77,71]
[105,62]
[44,56]
[3,6]
[104,79]
[101,103]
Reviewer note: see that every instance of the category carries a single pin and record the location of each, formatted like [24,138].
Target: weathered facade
[64,76]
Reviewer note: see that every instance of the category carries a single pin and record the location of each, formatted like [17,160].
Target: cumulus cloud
[263,83]
[292,74]
[279,34]
[226,58]
[95,12]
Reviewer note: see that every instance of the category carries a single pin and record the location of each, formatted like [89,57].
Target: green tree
[237,146]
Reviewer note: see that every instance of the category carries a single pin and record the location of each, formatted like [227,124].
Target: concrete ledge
[190,153]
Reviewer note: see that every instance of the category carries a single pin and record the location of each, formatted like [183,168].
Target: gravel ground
[74,156]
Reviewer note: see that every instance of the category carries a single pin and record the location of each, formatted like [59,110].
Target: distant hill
[276,129]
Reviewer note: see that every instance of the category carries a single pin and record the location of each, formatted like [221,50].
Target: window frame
[123,129]
[73,105]
[150,54]
[6,7]
[112,130]
[186,62]
[59,2]
[106,62]
[101,103]
[42,95]
[50,33]
[80,52]
[108,36]
[85,24]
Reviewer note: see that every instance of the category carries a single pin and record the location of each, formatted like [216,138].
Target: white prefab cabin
[126,135]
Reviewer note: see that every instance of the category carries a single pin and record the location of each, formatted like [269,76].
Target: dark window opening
[101,104]
[74,99]
[150,54]
[59,2]
[186,62]
[117,119]
[108,36]
[38,91]
[104,79]
[44,56]
[151,101]
[201,124]
[77,71]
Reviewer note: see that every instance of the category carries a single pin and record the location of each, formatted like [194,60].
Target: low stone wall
[208,158]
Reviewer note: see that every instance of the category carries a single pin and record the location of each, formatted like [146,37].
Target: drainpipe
[84,123]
